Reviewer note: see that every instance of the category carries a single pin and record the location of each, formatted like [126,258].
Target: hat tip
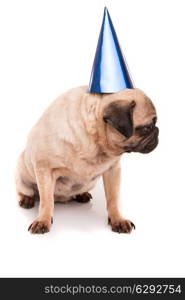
[109,72]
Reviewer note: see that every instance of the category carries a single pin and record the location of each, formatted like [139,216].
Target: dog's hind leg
[25,200]
[82,198]
[25,190]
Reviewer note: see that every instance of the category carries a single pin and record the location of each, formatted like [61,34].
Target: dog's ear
[120,116]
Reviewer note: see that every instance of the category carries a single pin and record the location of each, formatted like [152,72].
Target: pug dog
[80,137]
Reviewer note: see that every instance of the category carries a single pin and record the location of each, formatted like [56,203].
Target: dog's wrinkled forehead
[144,110]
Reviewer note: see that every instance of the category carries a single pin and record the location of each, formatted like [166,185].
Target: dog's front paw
[121,225]
[40,226]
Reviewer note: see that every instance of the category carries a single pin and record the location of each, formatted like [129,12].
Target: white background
[47,47]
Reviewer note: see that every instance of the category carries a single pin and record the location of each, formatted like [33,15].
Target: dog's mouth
[146,144]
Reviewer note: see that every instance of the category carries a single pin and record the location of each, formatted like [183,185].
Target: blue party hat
[109,73]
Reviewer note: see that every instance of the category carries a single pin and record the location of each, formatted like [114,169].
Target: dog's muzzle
[150,143]
[146,144]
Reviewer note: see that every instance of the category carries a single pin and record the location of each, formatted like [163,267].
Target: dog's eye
[144,130]
[148,128]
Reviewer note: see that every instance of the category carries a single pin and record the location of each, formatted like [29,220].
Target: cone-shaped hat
[109,72]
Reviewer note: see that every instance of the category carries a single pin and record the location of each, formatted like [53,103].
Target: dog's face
[132,115]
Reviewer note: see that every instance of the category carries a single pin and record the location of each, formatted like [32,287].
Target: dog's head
[131,115]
